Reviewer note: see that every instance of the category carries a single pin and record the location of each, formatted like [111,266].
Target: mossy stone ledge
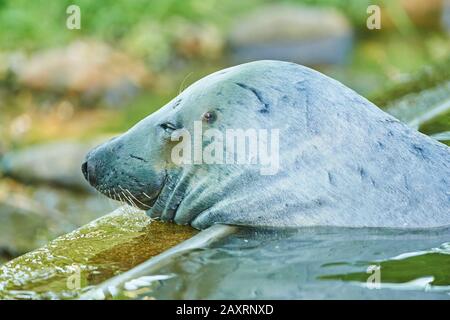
[73,263]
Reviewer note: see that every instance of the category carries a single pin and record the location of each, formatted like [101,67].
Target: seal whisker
[146,195]
[130,199]
[127,199]
[127,205]
[115,193]
[110,199]
[121,200]
[137,199]
[182,82]
[114,196]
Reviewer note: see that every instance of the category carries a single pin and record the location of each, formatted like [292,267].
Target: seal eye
[168,127]
[209,117]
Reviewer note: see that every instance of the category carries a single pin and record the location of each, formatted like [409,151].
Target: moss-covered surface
[421,100]
[429,77]
[89,255]
[436,125]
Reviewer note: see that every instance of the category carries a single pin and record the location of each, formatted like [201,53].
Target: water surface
[307,263]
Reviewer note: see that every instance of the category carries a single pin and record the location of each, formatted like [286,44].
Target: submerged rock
[89,255]
[56,163]
[311,36]
[197,41]
[91,70]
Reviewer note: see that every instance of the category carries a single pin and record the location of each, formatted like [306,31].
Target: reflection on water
[308,263]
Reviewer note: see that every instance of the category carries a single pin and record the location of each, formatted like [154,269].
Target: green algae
[73,263]
[404,270]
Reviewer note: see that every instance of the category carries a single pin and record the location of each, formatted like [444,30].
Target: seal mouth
[140,200]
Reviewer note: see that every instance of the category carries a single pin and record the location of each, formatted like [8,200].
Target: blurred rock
[25,225]
[161,45]
[419,13]
[149,41]
[56,163]
[33,213]
[311,36]
[198,41]
[31,216]
[423,13]
[90,70]
[10,63]
[446,16]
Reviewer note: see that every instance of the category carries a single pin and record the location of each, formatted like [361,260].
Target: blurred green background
[63,91]
[172,43]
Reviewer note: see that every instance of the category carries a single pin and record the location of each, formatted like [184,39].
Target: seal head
[341,160]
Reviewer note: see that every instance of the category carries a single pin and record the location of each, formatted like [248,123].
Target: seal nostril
[84,170]
[89,173]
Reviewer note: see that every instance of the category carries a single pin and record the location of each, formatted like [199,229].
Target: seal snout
[123,171]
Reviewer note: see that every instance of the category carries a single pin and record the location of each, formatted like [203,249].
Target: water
[306,263]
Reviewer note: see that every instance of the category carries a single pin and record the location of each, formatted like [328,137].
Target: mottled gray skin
[343,161]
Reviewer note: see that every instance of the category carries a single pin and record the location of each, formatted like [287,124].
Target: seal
[342,161]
